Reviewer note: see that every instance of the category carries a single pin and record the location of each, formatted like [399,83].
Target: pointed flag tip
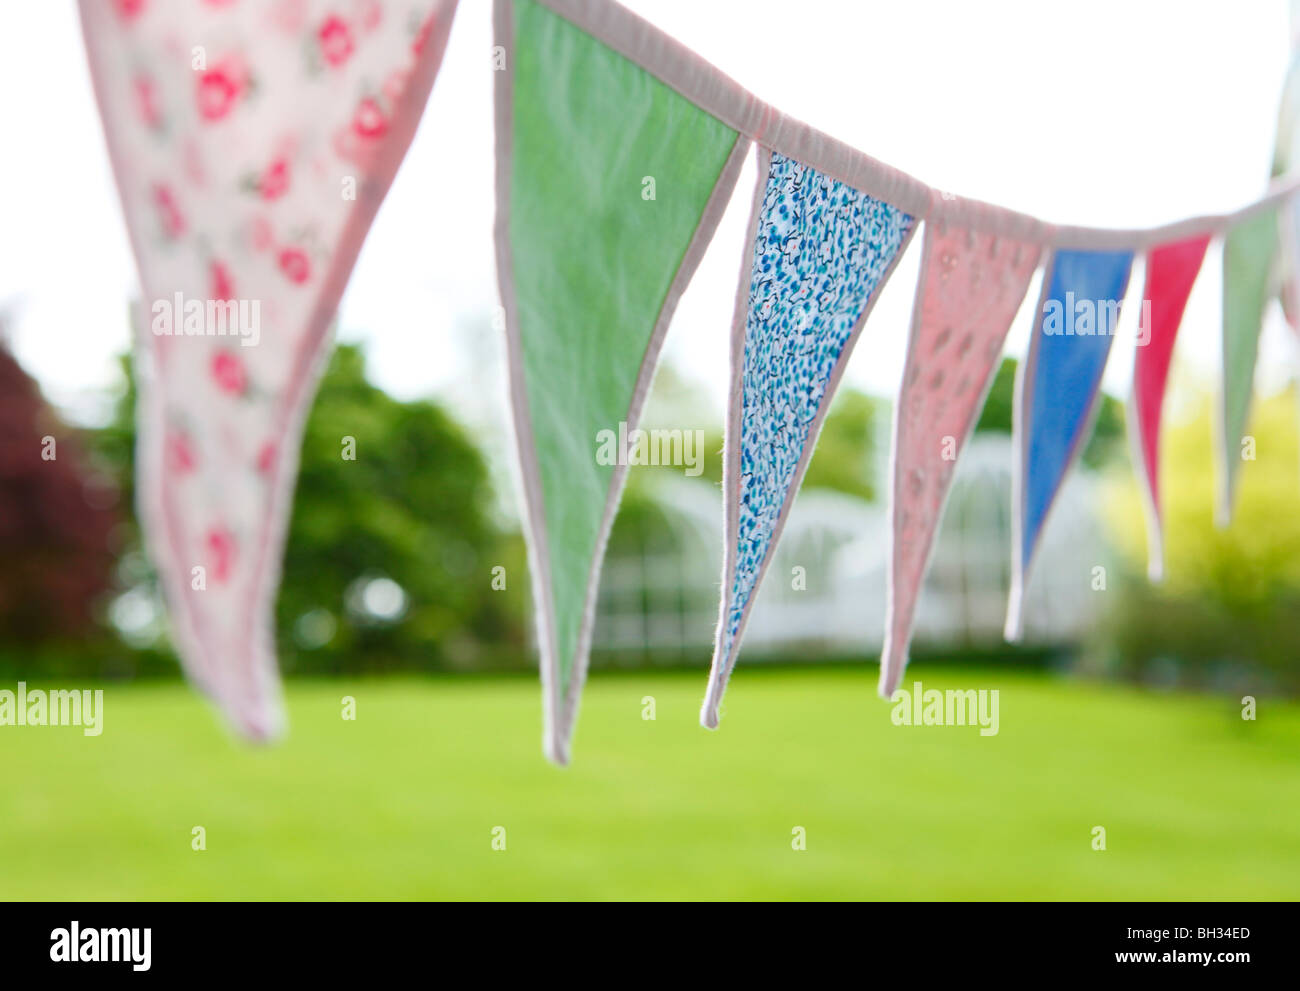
[891,672]
[1222,517]
[557,752]
[262,729]
[1014,626]
[719,672]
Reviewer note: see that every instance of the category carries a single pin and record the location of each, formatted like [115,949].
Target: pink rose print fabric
[253,141]
[970,288]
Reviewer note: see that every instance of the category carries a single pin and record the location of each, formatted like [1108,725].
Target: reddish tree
[58,519]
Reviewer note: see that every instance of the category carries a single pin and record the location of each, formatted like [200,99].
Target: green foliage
[844,460]
[1230,596]
[845,457]
[998,413]
[414,507]
[114,443]
[675,403]
[1107,445]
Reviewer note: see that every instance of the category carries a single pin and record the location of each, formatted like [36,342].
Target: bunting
[252,146]
[609,188]
[970,288]
[1247,266]
[822,250]
[1171,270]
[1057,391]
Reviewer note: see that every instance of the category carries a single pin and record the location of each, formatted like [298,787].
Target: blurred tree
[846,455]
[845,459]
[677,402]
[414,507]
[57,520]
[1230,596]
[998,413]
[390,557]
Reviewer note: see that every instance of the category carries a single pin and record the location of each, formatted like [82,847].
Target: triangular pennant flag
[822,250]
[1171,272]
[1057,392]
[609,187]
[252,145]
[970,288]
[1247,268]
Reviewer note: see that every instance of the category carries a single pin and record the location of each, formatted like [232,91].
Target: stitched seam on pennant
[1020,445]
[534,515]
[718,672]
[158,539]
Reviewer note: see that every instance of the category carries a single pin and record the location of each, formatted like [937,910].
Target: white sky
[1109,112]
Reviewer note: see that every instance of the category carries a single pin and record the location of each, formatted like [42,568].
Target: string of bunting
[597,99]
[236,184]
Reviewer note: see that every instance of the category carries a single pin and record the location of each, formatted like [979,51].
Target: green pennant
[1247,264]
[609,186]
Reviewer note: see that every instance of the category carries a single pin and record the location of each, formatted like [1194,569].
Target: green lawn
[401,803]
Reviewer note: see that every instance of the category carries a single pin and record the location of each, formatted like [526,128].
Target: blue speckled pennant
[821,251]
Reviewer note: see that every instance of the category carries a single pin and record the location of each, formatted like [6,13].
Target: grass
[401,803]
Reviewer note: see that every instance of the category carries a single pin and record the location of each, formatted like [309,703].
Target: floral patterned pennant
[822,250]
[252,144]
